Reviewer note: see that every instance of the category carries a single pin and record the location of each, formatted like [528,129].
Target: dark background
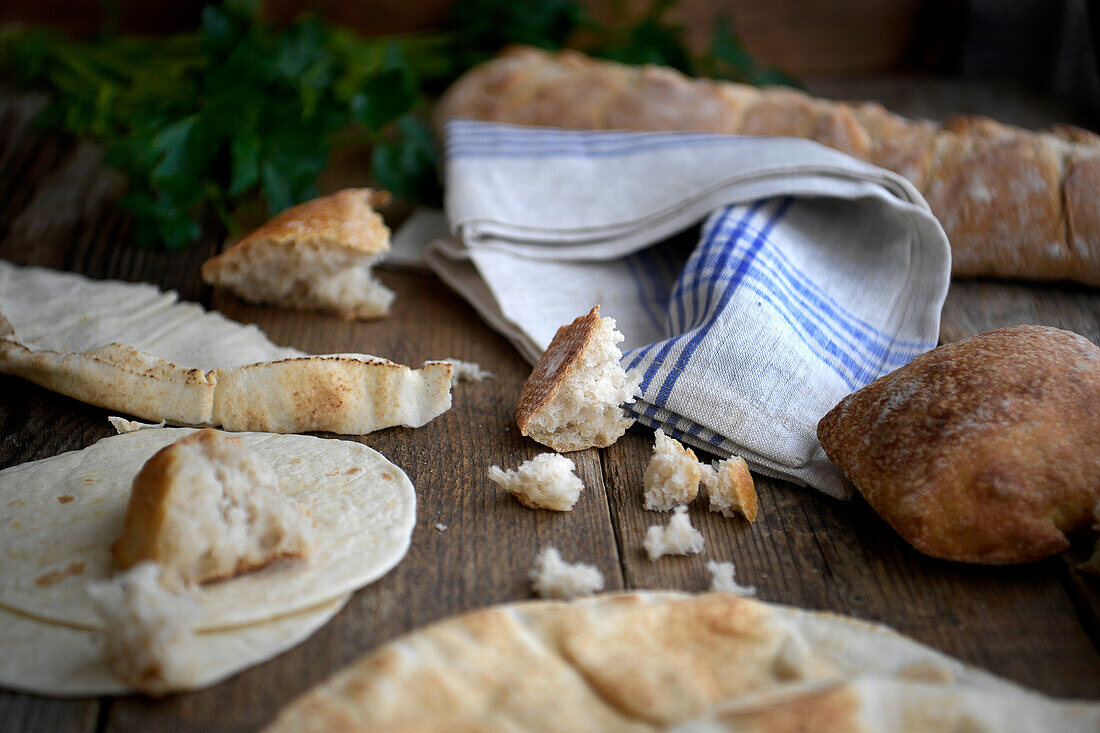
[1047,44]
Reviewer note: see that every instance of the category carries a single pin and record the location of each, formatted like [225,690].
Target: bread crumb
[573,398]
[441,527]
[467,371]
[149,631]
[722,579]
[672,476]
[122,425]
[554,578]
[547,481]
[730,488]
[207,507]
[678,538]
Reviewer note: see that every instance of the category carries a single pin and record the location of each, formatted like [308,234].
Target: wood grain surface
[1035,624]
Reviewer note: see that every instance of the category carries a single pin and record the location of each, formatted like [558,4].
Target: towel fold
[811,275]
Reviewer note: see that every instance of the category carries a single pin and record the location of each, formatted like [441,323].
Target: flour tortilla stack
[648,661]
[50,659]
[133,348]
[61,515]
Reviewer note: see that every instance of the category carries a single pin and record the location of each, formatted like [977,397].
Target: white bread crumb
[678,538]
[586,384]
[208,507]
[672,476]
[467,371]
[730,488]
[554,578]
[122,425]
[547,481]
[149,638]
[722,579]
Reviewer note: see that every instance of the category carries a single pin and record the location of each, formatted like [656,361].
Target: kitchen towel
[811,275]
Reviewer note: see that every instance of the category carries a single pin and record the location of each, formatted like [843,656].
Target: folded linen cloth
[814,273]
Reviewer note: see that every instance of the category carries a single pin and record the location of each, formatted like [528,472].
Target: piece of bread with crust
[1014,203]
[730,488]
[983,451]
[207,507]
[314,256]
[572,399]
[546,481]
[672,476]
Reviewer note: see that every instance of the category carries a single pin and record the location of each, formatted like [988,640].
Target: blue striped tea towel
[812,274]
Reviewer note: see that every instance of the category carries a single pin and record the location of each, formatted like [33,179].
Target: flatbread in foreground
[650,661]
[50,659]
[61,515]
[133,348]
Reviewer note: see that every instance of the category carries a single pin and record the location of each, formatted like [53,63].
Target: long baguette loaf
[1014,203]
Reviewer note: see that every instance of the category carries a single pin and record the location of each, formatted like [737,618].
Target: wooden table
[1036,624]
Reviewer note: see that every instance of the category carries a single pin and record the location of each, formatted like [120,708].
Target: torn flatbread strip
[350,394]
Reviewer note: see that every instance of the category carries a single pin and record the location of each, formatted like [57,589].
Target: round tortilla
[61,514]
[70,662]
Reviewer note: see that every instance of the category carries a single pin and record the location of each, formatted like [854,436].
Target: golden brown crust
[1082,192]
[998,189]
[736,481]
[998,197]
[556,364]
[346,219]
[151,504]
[984,451]
[623,663]
[147,510]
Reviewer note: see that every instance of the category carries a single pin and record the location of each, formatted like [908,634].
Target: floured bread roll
[672,477]
[572,399]
[984,451]
[149,631]
[207,507]
[317,255]
[546,481]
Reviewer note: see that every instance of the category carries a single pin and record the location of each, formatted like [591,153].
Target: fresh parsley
[239,110]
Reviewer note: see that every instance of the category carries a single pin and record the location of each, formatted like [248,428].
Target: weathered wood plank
[32,713]
[813,552]
[975,306]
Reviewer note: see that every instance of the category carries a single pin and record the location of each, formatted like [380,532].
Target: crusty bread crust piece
[1014,203]
[306,257]
[206,508]
[572,399]
[557,364]
[730,488]
[983,451]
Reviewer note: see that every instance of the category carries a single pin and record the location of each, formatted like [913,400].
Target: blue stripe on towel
[699,334]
